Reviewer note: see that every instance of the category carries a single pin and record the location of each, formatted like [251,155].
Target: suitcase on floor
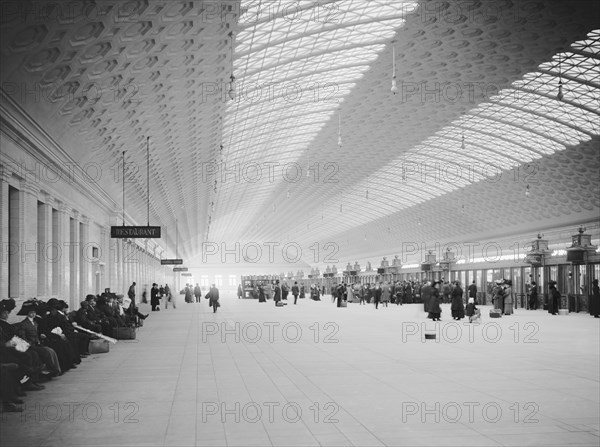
[344,304]
[495,313]
[279,304]
[99,346]
[124,333]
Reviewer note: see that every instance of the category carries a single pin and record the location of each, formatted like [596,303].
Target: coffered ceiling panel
[275,121]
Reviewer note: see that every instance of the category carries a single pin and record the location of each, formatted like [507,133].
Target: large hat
[53,303]
[551,283]
[28,306]
[7,305]
[62,305]
[508,282]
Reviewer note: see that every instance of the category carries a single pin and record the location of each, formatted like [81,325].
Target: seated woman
[28,330]
[28,361]
[57,323]
[53,336]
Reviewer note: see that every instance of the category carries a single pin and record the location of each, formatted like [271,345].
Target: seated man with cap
[28,331]
[87,319]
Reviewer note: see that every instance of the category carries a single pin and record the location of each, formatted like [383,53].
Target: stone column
[47,252]
[74,249]
[28,241]
[85,258]
[4,177]
[60,267]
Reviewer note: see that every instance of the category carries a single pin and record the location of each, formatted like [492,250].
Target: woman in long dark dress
[595,299]
[261,295]
[458,307]
[553,299]
[435,311]
[277,294]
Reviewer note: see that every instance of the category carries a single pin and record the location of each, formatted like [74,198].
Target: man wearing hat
[29,361]
[154,298]
[86,319]
[28,331]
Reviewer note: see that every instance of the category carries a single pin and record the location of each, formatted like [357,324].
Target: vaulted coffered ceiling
[308,144]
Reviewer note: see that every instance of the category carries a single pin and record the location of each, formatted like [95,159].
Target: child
[472,312]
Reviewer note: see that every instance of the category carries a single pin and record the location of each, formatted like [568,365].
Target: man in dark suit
[295,291]
[213,295]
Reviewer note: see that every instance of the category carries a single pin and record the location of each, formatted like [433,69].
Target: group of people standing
[194,294]
[432,294]
[156,294]
[278,291]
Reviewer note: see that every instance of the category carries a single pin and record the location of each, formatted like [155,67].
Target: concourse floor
[315,375]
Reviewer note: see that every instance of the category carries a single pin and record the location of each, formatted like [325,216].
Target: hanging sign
[171,261]
[133,232]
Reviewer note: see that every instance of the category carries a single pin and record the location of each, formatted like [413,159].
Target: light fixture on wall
[231,91]
[560,95]
[394,88]
[340,129]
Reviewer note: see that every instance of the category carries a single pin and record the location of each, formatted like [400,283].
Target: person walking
[169,297]
[131,293]
[295,291]
[198,293]
[213,296]
[240,292]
